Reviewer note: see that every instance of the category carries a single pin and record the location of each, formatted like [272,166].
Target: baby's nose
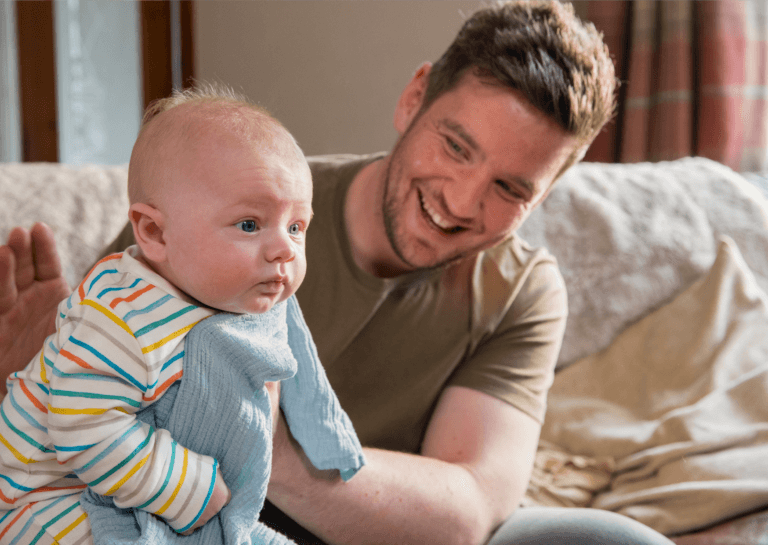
[280,249]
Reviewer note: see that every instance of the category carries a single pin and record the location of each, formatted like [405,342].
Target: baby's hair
[215,104]
[202,92]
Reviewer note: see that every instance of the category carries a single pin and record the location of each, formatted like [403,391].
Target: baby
[220,202]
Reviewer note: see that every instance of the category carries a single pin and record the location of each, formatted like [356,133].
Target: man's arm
[31,286]
[474,467]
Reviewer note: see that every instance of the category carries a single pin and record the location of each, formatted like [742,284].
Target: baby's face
[236,229]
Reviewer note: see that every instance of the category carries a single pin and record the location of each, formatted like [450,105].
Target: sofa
[659,407]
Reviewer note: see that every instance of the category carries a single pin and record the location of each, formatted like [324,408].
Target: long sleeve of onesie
[118,347]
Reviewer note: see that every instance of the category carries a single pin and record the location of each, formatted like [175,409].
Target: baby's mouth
[274,284]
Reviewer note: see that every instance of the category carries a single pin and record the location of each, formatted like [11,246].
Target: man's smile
[436,218]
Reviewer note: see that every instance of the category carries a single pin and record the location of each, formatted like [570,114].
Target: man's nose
[464,195]
[280,248]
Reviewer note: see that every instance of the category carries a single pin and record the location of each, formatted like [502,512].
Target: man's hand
[273,390]
[221,494]
[31,286]
[219,498]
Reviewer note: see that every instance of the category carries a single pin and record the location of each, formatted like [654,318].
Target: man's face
[467,171]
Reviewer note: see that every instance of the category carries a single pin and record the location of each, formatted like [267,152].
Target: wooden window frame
[37,66]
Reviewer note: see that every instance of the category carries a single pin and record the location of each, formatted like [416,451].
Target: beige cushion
[680,401]
[629,237]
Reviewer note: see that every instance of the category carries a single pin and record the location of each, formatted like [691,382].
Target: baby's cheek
[301,268]
[227,280]
[296,278]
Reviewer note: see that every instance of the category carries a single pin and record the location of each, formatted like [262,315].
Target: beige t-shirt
[493,323]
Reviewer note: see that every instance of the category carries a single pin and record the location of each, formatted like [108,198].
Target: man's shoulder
[511,275]
[330,169]
[340,159]
[514,256]
[515,271]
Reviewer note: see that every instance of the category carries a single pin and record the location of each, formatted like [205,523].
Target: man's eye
[455,147]
[249,226]
[295,229]
[508,189]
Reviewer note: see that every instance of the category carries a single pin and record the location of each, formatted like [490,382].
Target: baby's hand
[219,498]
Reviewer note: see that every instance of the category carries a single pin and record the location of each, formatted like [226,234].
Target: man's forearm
[396,498]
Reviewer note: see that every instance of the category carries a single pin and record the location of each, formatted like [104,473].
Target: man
[439,329]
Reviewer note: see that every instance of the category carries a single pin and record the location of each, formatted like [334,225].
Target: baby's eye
[249,226]
[295,229]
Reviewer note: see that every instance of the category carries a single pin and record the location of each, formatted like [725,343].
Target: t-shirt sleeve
[515,361]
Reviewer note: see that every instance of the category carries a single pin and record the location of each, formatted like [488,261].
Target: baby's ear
[147,222]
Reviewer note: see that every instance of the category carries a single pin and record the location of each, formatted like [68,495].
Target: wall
[330,70]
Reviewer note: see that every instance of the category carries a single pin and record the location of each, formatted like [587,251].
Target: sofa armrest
[85,206]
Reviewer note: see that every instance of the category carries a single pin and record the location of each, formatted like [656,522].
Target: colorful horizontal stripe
[119,347]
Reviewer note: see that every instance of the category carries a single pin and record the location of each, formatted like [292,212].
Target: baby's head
[221,198]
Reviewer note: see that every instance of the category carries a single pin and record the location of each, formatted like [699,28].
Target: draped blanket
[679,403]
[220,408]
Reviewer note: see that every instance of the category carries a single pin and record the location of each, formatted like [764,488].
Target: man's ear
[148,223]
[409,103]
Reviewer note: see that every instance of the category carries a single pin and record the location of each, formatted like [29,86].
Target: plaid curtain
[694,79]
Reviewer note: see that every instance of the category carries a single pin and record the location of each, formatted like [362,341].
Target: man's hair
[215,103]
[541,49]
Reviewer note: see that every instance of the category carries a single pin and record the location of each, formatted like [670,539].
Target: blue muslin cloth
[220,408]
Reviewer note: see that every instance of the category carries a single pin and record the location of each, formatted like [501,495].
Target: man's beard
[389,210]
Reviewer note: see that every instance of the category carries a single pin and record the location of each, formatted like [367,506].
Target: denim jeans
[572,526]
[527,526]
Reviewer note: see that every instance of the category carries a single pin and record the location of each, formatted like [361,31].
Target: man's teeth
[436,217]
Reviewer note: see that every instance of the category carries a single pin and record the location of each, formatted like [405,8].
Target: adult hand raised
[31,286]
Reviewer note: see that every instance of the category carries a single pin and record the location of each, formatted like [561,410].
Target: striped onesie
[68,420]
